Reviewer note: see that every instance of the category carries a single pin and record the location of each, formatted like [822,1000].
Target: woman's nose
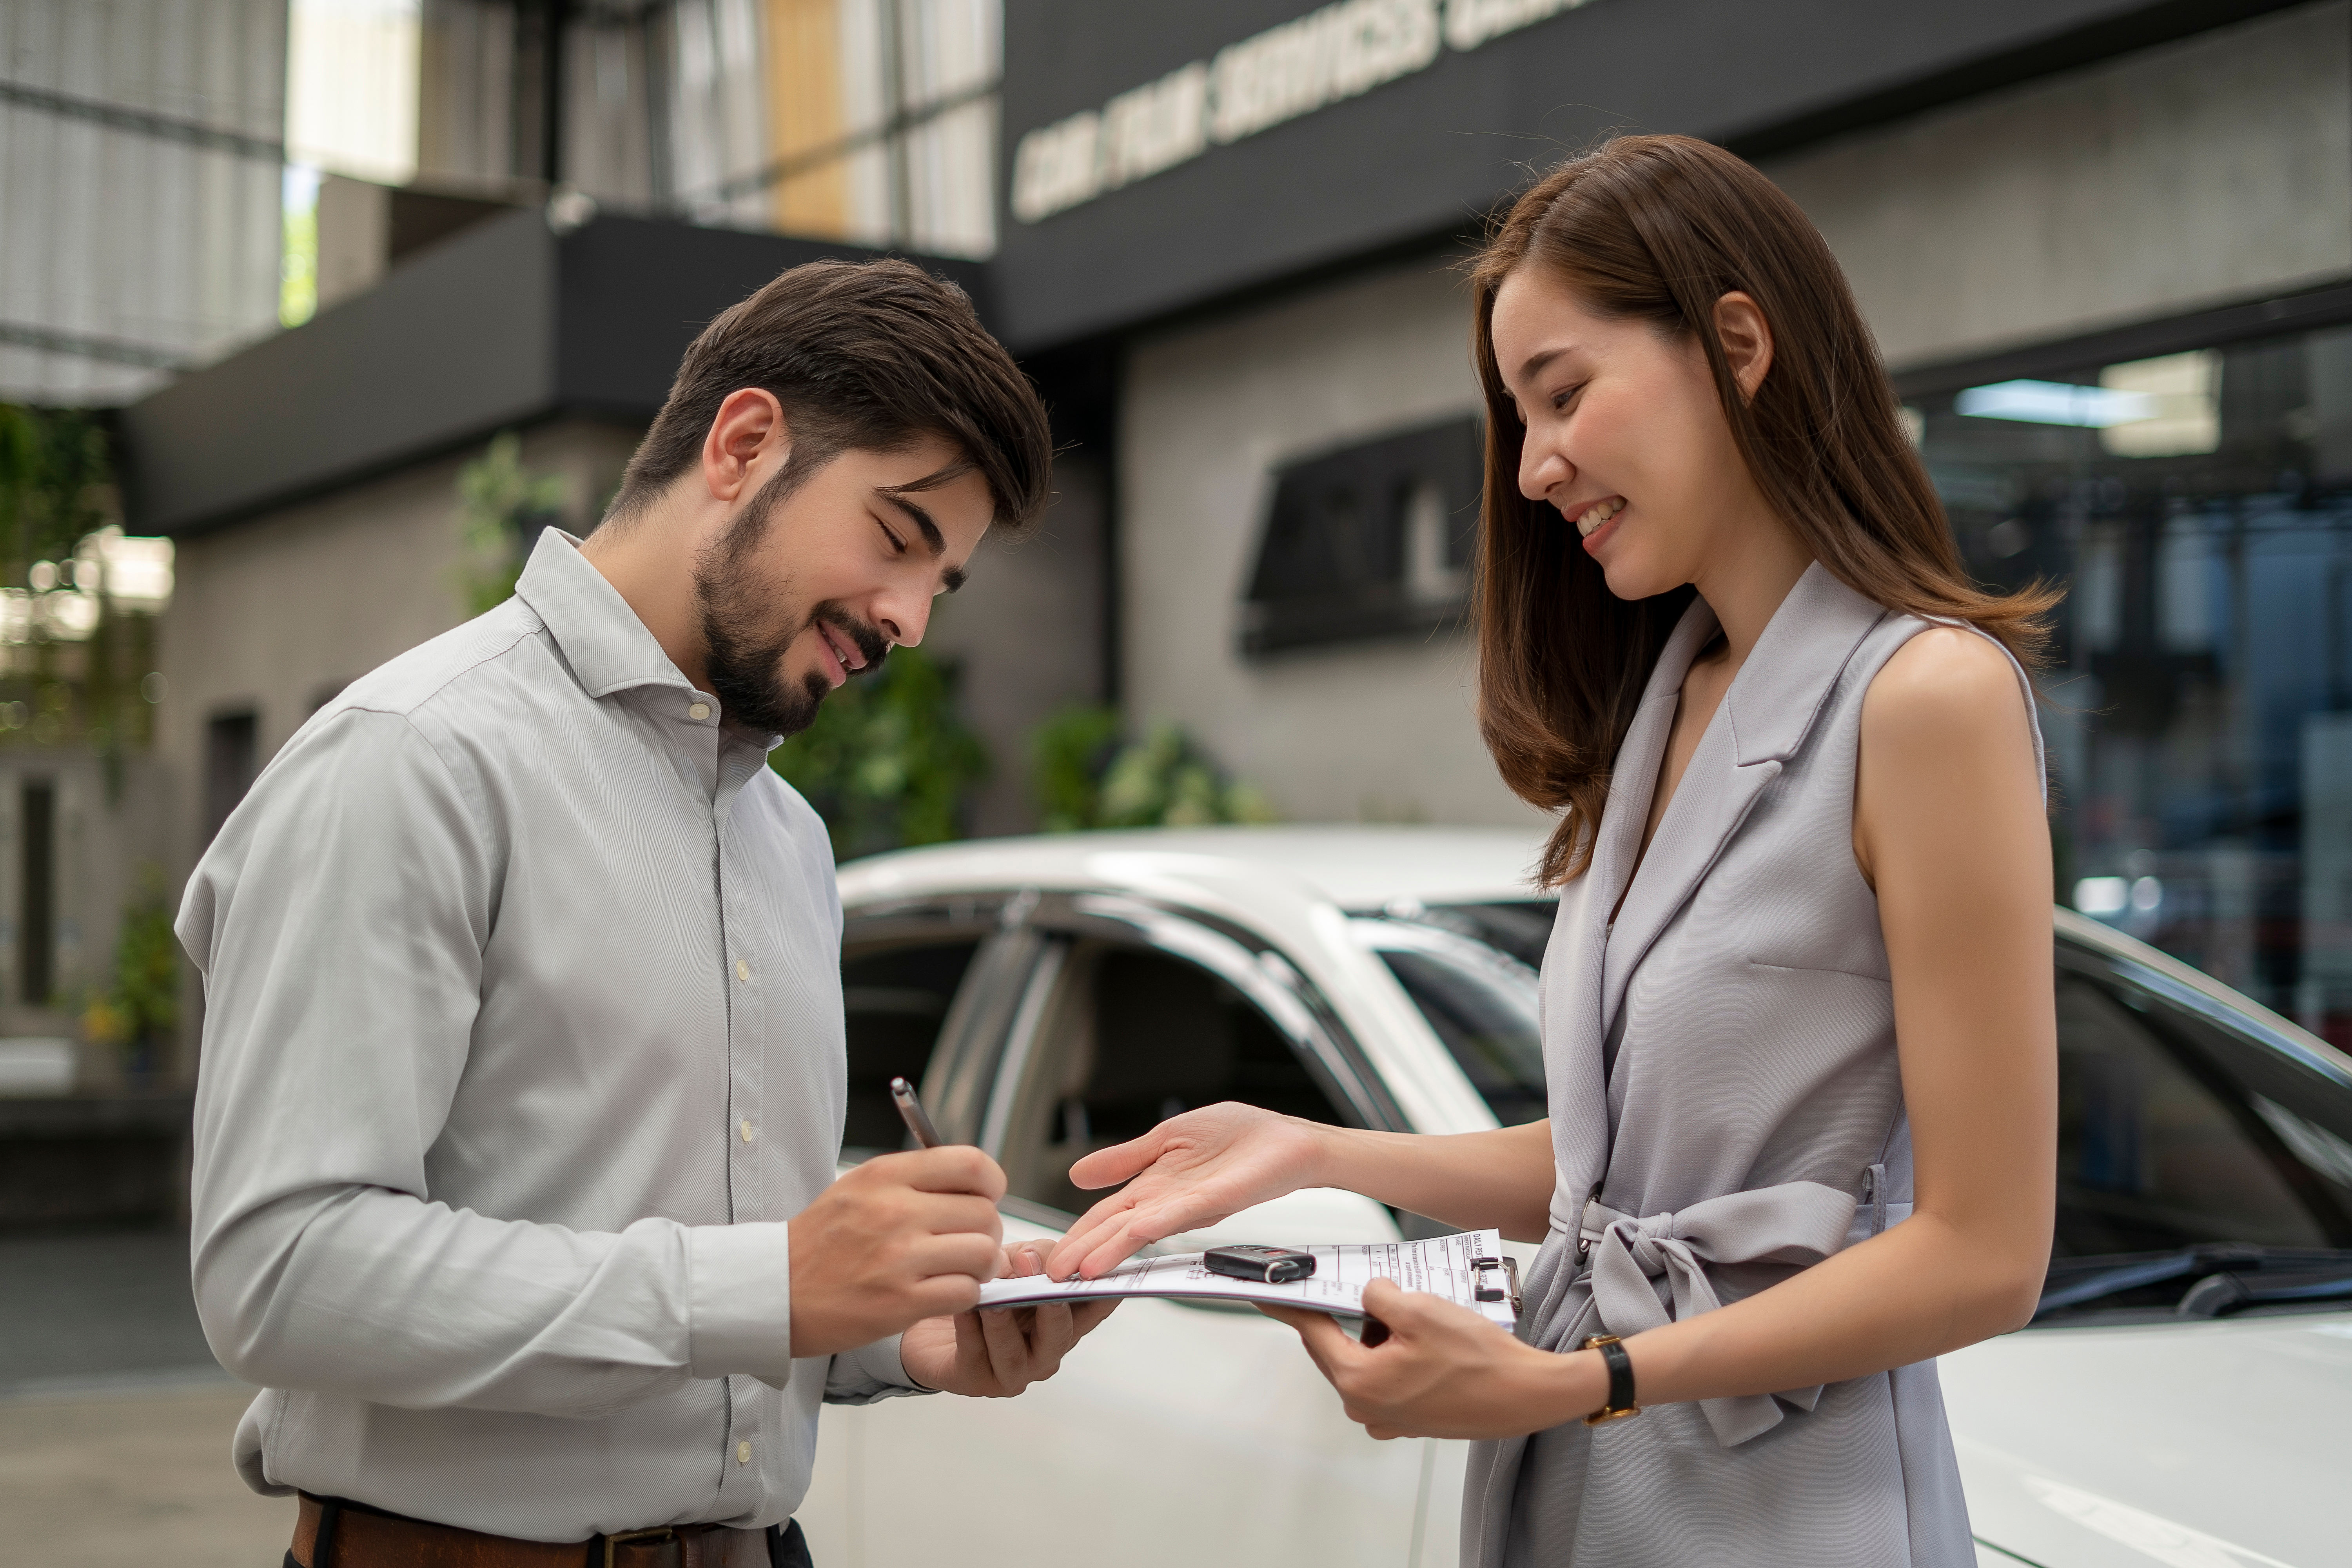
[1541,471]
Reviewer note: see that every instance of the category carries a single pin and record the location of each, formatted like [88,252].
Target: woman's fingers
[1120,1161]
[1327,1343]
[1087,1235]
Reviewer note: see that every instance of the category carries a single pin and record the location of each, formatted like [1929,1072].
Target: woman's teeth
[1598,512]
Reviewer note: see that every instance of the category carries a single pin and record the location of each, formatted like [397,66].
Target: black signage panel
[1159,156]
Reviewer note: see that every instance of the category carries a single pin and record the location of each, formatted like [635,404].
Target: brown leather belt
[369,1538]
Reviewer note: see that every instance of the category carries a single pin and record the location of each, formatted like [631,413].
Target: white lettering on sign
[1334,53]
[1325,56]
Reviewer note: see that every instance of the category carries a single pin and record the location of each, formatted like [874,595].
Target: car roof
[1369,866]
[1356,866]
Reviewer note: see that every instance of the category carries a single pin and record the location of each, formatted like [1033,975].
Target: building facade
[2106,245]
[2107,253]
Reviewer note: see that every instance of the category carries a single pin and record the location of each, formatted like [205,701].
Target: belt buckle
[632,1537]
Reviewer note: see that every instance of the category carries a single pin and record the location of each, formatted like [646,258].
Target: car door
[1177,1429]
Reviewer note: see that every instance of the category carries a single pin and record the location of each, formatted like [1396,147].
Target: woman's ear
[1747,339]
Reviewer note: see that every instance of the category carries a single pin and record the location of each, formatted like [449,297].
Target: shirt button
[742,970]
[747,1129]
[699,711]
[743,1453]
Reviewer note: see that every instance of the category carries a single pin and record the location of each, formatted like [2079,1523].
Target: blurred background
[312,314]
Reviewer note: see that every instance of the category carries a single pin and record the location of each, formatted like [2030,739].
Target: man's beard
[743,652]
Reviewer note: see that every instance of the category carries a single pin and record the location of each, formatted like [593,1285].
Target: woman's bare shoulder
[1946,680]
[1948,697]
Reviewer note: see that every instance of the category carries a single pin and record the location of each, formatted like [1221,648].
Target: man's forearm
[379,1295]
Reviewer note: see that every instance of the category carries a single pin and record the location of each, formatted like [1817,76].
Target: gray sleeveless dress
[1727,1108]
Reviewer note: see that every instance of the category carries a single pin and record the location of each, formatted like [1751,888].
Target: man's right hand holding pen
[901,1245]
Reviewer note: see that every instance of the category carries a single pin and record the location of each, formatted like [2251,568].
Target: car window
[894,999]
[2156,1151]
[1481,1002]
[1521,928]
[1130,1037]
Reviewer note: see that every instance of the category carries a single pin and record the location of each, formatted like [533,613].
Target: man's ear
[748,441]
[1747,339]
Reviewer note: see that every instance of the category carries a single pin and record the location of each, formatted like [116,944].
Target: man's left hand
[995,1352]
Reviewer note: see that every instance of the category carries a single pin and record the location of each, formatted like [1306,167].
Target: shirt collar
[606,644]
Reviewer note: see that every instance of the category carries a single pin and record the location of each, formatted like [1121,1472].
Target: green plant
[55,477]
[888,762]
[1084,778]
[499,504]
[87,655]
[140,1005]
[1068,755]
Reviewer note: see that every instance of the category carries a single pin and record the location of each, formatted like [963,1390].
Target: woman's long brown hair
[1659,228]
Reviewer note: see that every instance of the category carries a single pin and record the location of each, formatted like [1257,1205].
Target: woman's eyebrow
[1533,365]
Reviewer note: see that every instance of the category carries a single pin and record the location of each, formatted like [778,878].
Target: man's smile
[841,653]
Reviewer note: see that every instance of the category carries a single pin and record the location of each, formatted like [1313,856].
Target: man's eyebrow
[953,577]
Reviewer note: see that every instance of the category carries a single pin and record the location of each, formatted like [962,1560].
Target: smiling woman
[1796,1026]
[1818,441]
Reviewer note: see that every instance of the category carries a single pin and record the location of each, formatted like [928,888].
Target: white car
[2185,1398]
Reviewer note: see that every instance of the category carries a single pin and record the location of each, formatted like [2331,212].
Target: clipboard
[1469,1269]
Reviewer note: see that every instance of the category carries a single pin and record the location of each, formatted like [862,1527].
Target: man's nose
[903,619]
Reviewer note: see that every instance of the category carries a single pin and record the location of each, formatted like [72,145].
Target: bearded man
[523,1077]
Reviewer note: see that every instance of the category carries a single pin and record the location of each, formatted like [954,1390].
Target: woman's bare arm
[1197,1168]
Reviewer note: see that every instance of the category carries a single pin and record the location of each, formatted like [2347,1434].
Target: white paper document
[1468,1269]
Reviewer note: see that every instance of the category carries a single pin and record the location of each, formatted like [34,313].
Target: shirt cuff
[870,1372]
[739,1301]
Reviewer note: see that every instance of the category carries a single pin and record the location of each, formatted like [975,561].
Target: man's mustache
[872,646]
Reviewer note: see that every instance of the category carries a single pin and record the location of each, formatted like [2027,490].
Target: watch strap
[1620,1380]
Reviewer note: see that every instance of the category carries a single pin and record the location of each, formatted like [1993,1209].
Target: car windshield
[1470,970]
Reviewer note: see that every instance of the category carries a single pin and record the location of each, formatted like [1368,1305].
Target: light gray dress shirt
[522,1041]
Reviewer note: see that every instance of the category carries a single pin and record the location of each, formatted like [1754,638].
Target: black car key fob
[1273,1265]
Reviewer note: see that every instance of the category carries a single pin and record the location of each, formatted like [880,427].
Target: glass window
[894,1001]
[1480,1002]
[2155,1152]
[1373,540]
[1132,1037]
[2197,507]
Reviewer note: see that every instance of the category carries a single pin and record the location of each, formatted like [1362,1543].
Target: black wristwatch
[1620,1380]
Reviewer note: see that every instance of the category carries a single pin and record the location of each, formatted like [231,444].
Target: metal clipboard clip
[1481,1268]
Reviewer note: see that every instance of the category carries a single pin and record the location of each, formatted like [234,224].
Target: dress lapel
[1762,723]
[1575,958]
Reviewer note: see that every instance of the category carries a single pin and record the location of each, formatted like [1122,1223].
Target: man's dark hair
[871,356]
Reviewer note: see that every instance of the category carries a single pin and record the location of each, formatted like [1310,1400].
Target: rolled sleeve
[740,1291]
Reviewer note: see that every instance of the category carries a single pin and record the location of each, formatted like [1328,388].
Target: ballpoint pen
[910,1111]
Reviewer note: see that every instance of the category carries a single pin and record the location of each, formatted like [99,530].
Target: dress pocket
[1855,968]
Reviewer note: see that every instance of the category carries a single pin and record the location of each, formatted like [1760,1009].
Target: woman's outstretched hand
[1444,1371]
[1190,1170]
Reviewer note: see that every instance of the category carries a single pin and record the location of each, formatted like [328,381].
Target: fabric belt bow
[1798,1221]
